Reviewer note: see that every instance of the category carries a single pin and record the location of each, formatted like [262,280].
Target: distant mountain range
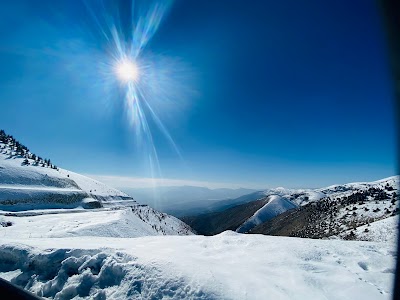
[337,211]
[184,200]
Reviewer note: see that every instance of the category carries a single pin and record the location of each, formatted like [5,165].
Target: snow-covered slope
[305,196]
[348,188]
[275,206]
[30,182]
[39,199]
[35,187]
[347,211]
[132,221]
[385,230]
[226,266]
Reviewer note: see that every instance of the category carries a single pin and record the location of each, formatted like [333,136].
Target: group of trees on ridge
[18,149]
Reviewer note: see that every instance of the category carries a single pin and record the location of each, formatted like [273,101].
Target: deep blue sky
[285,93]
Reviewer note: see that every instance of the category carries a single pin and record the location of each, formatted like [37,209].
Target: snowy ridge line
[275,206]
[394,178]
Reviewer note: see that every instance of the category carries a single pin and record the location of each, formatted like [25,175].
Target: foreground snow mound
[275,206]
[90,274]
[198,267]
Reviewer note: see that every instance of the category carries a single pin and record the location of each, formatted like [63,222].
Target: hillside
[229,219]
[38,198]
[275,206]
[342,213]
[334,211]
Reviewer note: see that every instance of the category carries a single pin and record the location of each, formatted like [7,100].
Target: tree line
[18,149]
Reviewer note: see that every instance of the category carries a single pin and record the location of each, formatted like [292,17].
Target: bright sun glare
[127,71]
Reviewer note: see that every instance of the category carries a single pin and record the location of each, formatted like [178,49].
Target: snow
[45,202]
[121,222]
[348,188]
[34,187]
[305,196]
[275,206]
[385,230]
[226,266]
[118,249]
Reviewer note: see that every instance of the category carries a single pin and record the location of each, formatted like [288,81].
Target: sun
[127,71]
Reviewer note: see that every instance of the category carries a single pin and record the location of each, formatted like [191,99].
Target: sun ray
[151,84]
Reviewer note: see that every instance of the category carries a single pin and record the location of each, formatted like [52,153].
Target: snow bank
[226,266]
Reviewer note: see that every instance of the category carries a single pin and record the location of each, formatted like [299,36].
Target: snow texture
[226,266]
[385,230]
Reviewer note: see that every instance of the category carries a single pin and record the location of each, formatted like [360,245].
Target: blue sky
[258,94]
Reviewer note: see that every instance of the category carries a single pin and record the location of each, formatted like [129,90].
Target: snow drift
[226,266]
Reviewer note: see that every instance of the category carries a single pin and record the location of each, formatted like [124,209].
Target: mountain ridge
[311,210]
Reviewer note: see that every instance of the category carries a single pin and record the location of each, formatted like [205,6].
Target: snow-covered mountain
[340,212]
[334,211]
[39,199]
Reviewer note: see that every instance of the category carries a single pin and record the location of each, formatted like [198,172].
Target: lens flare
[127,71]
[154,87]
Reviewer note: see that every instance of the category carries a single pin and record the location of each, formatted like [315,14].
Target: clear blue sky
[282,93]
